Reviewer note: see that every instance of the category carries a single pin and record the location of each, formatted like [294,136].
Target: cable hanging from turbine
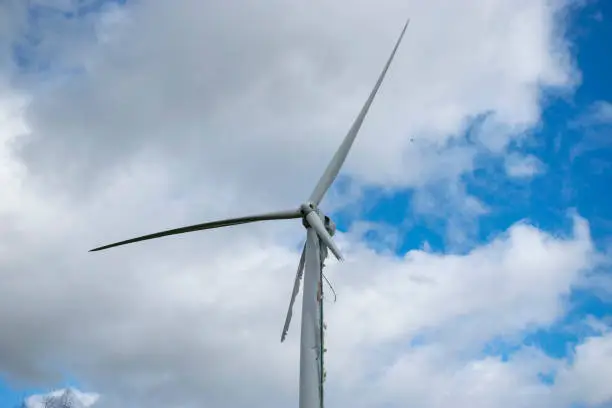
[331,287]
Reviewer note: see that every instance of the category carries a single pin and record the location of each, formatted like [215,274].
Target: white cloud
[453,205]
[587,379]
[486,382]
[199,110]
[193,320]
[523,166]
[12,21]
[594,136]
[294,84]
[599,113]
[62,398]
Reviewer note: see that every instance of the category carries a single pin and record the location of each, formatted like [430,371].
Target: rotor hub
[307,208]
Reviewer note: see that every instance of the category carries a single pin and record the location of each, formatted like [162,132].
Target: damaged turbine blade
[296,289]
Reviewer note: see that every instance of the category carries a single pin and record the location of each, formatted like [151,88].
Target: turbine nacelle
[323,226]
[329,224]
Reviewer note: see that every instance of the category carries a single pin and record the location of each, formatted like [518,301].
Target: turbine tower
[319,232]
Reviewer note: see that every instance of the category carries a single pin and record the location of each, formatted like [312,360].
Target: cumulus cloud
[296,82]
[191,319]
[594,125]
[523,166]
[188,111]
[577,381]
[62,398]
[599,113]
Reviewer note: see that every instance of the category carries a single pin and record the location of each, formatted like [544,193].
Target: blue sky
[576,155]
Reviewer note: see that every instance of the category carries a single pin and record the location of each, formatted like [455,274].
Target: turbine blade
[315,222]
[281,215]
[296,289]
[333,168]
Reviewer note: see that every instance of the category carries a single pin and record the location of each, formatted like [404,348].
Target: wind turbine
[319,231]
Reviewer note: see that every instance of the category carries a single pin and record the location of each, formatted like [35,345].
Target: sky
[473,210]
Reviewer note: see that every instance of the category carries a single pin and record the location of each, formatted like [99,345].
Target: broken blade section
[296,289]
